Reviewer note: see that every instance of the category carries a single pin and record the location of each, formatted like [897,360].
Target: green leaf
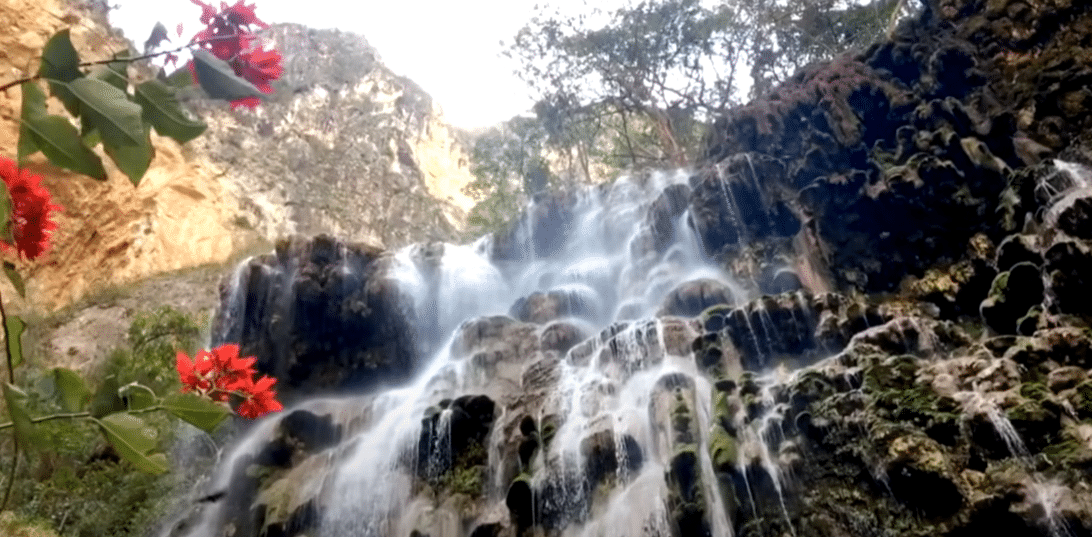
[56,137]
[112,113]
[114,73]
[5,221]
[27,145]
[219,80]
[137,396]
[71,390]
[9,267]
[196,410]
[25,433]
[106,399]
[180,78]
[60,64]
[133,160]
[162,109]
[134,441]
[15,338]
[118,121]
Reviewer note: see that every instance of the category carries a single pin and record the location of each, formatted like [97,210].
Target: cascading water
[611,406]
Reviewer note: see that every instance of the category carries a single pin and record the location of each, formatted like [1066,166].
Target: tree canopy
[635,84]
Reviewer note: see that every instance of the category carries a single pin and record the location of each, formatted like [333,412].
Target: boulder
[320,315]
[690,298]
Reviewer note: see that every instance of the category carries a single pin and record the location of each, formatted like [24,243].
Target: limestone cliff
[111,233]
[344,146]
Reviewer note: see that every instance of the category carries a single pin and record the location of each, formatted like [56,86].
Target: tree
[509,165]
[651,65]
[633,87]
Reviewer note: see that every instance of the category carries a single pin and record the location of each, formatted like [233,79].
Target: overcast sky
[451,48]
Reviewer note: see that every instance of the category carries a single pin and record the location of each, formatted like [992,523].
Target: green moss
[1036,391]
[549,429]
[1067,451]
[1083,399]
[682,421]
[467,480]
[1000,286]
[721,410]
[723,449]
[892,372]
[466,475]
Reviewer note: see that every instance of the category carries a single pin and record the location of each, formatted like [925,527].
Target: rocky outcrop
[343,146]
[110,233]
[320,316]
[892,160]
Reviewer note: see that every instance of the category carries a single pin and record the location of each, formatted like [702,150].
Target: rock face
[343,146]
[320,316]
[894,159]
[111,233]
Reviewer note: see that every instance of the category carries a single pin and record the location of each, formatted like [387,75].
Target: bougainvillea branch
[8,85]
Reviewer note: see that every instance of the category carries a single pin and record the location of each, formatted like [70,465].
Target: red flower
[221,374]
[261,400]
[227,37]
[243,15]
[31,205]
[260,67]
[207,11]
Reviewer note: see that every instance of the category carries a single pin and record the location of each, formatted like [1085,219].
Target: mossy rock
[723,449]
[1082,399]
[520,500]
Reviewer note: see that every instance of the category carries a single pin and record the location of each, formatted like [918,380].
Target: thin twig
[122,60]
[51,417]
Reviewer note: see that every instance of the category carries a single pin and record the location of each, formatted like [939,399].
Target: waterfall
[591,372]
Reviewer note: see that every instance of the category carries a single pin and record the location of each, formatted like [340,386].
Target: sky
[450,48]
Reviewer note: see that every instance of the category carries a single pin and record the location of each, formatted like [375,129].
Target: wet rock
[454,434]
[320,315]
[782,280]
[956,290]
[691,298]
[771,327]
[664,213]
[734,203]
[1067,277]
[561,336]
[1012,294]
[1076,217]
[918,464]
[1066,377]
[602,457]
[540,231]
[303,433]
[520,501]
[1017,249]
[541,308]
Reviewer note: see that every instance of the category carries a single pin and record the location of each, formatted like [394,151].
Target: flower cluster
[220,374]
[227,36]
[31,208]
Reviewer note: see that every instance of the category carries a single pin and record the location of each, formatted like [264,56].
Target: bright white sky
[450,48]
